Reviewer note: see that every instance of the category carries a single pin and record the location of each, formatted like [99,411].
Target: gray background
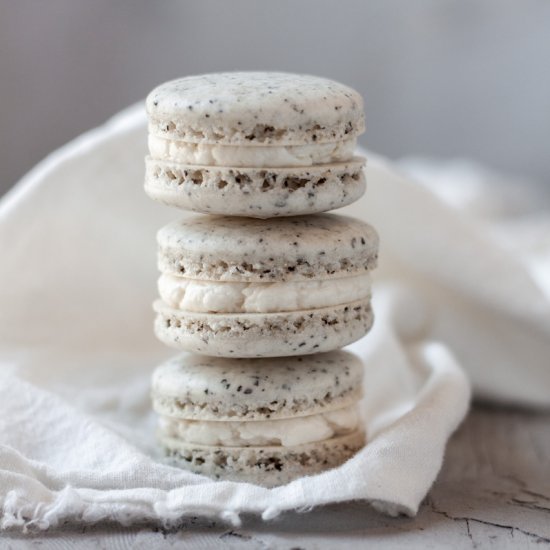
[445,78]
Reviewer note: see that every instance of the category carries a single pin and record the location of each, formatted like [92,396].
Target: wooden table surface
[493,492]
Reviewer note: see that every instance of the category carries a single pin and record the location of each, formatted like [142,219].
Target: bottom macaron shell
[255,192]
[263,334]
[266,466]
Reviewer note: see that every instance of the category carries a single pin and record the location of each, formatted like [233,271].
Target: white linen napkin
[475,248]
[77,278]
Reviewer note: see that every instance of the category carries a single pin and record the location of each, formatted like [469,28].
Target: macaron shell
[196,387]
[226,248]
[265,466]
[255,109]
[255,192]
[263,334]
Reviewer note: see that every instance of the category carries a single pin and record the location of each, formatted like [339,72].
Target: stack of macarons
[262,289]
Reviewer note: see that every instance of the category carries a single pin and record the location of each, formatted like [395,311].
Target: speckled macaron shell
[265,466]
[195,387]
[225,248]
[255,109]
[263,334]
[255,192]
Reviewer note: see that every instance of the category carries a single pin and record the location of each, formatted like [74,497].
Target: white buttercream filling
[237,155]
[286,432]
[232,297]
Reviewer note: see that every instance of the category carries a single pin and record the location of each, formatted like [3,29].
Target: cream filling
[232,297]
[257,156]
[286,432]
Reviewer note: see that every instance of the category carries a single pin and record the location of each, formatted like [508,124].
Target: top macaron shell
[255,108]
[209,388]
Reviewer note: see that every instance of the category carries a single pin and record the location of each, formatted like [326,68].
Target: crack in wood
[474,544]
[538,538]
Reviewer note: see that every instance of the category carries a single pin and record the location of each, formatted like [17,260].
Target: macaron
[265,421]
[244,287]
[255,144]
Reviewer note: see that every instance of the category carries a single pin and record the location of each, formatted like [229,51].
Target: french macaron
[264,421]
[255,144]
[244,287]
